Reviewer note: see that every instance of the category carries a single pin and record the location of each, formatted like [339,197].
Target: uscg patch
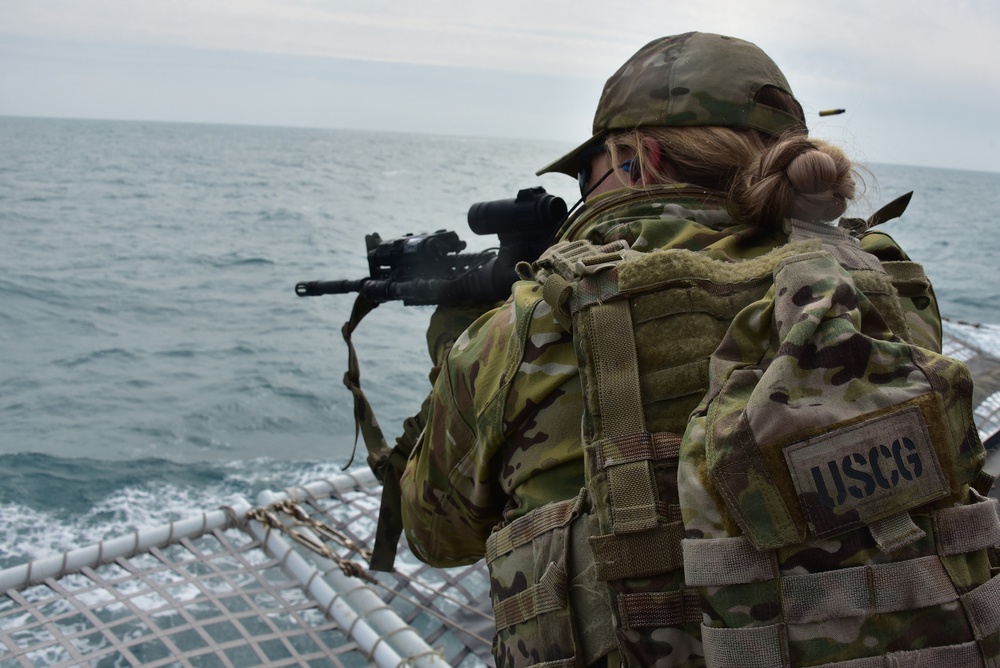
[865,472]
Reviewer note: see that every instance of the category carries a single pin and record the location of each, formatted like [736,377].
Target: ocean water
[154,359]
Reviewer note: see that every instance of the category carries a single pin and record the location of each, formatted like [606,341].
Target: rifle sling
[364,417]
[386,463]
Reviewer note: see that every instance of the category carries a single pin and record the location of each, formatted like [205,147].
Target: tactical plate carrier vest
[824,505]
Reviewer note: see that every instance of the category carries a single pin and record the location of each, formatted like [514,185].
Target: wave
[232,260]
[52,504]
[104,356]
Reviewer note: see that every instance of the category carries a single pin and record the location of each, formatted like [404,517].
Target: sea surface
[154,359]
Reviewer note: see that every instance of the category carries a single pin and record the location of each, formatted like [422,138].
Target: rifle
[432,269]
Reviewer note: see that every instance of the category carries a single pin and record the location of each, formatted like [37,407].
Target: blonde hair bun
[801,178]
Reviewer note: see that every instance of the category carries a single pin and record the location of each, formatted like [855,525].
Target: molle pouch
[822,476]
[546,598]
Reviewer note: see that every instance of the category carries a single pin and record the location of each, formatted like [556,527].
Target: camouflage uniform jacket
[503,427]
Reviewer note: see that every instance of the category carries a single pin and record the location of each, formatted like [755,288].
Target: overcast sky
[919,79]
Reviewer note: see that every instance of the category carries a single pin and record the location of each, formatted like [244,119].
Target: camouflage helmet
[694,79]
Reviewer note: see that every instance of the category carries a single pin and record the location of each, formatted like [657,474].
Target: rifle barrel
[317,288]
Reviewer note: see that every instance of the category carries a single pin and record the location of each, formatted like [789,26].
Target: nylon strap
[710,562]
[675,382]
[389,527]
[615,359]
[557,292]
[718,561]
[893,209]
[866,590]
[631,485]
[967,528]
[758,647]
[895,532]
[863,590]
[948,656]
[626,448]
[525,529]
[636,555]
[982,607]
[983,482]
[549,594]
[773,121]
[390,514]
[633,497]
[908,277]
[380,457]
[660,609]
[364,416]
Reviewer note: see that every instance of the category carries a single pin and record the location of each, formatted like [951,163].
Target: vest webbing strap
[549,594]
[982,607]
[725,561]
[557,292]
[625,448]
[633,498]
[947,656]
[525,529]
[757,647]
[895,532]
[866,590]
[862,590]
[967,528]
[762,647]
[636,555]
[631,485]
[610,331]
[710,562]
[660,609]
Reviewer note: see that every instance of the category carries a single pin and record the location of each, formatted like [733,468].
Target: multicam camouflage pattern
[694,79]
[502,447]
[639,388]
[507,401]
[503,435]
[502,440]
[844,554]
[509,384]
[829,359]
[670,216]
[919,303]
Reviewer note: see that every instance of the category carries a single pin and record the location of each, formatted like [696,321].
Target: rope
[269,517]
[315,537]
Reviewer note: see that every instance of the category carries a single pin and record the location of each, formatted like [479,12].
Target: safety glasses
[586,169]
[583,175]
